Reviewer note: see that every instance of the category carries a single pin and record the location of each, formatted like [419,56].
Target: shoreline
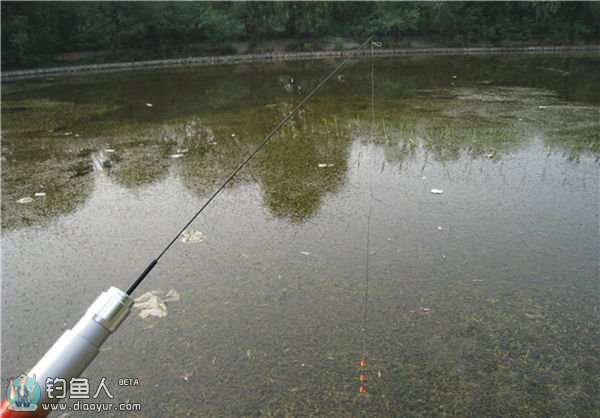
[283,56]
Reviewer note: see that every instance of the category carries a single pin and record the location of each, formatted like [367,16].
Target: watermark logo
[23,393]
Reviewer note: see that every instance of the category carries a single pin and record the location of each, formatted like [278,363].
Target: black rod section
[243,164]
[142,277]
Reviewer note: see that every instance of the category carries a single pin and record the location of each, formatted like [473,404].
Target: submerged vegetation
[34,32]
[482,299]
[61,142]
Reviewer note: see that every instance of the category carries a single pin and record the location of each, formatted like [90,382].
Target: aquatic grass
[463,129]
[335,123]
[44,115]
[324,120]
[140,166]
[579,135]
[476,125]
[265,329]
[65,191]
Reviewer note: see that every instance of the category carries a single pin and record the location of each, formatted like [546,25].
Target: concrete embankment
[286,56]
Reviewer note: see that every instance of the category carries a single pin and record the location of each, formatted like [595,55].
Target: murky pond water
[480,301]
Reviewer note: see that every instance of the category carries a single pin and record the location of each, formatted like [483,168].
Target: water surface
[481,300]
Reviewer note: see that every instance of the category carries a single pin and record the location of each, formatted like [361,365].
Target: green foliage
[32,32]
[19,39]
[393,19]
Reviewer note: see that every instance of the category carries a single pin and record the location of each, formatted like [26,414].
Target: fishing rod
[77,347]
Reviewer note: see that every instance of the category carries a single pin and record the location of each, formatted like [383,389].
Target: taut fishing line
[153,263]
[363,362]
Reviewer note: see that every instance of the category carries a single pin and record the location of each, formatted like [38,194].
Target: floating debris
[249,353]
[437,191]
[40,194]
[489,156]
[149,104]
[153,303]
[172,296]
[192,237]
[426,311]
[323,165]
[556,70]
[179,152]
[529,315]
[150,305]
[109,150]
[187,376]
[25,200]
[440,228]
[304,253]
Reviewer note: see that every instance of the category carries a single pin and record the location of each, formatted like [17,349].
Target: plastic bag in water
[153,303]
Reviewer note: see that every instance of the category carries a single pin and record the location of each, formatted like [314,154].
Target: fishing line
[153,263]
[363,362]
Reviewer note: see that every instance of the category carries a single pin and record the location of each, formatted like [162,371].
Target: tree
[32,32]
